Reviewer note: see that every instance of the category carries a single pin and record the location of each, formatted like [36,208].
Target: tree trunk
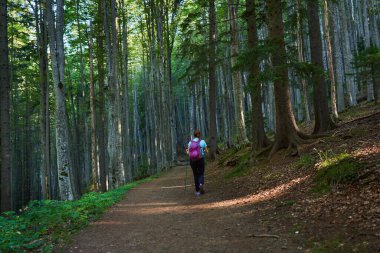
[323,120]
[301,58]
[338,55]
[212,81]
[55,29]
[127,135]
[6,172]
[100,58]
[287,133]
[334,107]
[44,173]
[347,53]
[236,77]
[260,139]
[94,180]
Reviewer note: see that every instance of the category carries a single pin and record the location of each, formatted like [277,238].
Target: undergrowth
[338,169]
[243,164]
[45,223]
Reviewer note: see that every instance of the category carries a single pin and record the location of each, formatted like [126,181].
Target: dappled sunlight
[171,207]
[259,197]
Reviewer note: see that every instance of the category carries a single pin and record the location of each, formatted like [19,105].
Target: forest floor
[287,204]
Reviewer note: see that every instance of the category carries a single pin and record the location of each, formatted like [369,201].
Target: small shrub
[242,166]
[339,169]
[305,161]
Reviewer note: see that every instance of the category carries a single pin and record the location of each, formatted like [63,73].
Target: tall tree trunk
[241,133]
[83,109]
[115,149]
[347,52]
[100,67]
[323,120]
[287,132]
[55,30]
[94,180]
[127,135]
[260,139]
[6,172]
[44,173]
[338,55]
[334,107]
[301,58]
[212,80]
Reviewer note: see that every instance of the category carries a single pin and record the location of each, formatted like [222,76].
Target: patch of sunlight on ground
[170,207]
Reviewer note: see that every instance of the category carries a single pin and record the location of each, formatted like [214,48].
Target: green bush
[305,161]
[339,169]
[242,166]
[44,223]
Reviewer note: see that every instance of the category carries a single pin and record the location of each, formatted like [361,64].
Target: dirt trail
[160,216]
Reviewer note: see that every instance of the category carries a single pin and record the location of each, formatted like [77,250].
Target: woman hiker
[197,148]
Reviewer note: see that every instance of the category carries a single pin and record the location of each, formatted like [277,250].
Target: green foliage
[143,169]
[368,63]
[305,161]
[242,166]
[43,223]
[338,169]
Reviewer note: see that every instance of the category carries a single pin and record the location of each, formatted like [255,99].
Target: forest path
[160,216]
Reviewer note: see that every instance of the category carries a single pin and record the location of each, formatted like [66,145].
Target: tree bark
[101,76]
[94,180]
[301,58]
[241,133]
[212,80]
[260,139]
[334,107]
[6,172]
[287,132]
[323,120]
[55,30]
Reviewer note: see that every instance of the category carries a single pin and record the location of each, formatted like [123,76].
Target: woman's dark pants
[198,168]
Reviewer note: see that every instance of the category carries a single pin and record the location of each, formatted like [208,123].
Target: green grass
[305,161]
[45,223]
[243,165]
[338,169]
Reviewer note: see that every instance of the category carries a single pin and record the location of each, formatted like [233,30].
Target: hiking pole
[185,179]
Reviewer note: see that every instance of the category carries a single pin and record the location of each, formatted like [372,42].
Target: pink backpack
[195,150]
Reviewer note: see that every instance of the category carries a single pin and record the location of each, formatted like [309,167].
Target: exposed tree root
[361,118]
[291,143]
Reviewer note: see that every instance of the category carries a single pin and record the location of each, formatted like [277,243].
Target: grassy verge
[45,223]
[338,169]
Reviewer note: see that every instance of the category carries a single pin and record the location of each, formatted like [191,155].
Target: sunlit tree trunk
[55,31]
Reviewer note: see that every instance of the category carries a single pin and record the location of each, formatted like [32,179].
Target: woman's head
[197,134]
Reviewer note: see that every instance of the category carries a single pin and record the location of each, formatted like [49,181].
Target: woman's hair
[197,133]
